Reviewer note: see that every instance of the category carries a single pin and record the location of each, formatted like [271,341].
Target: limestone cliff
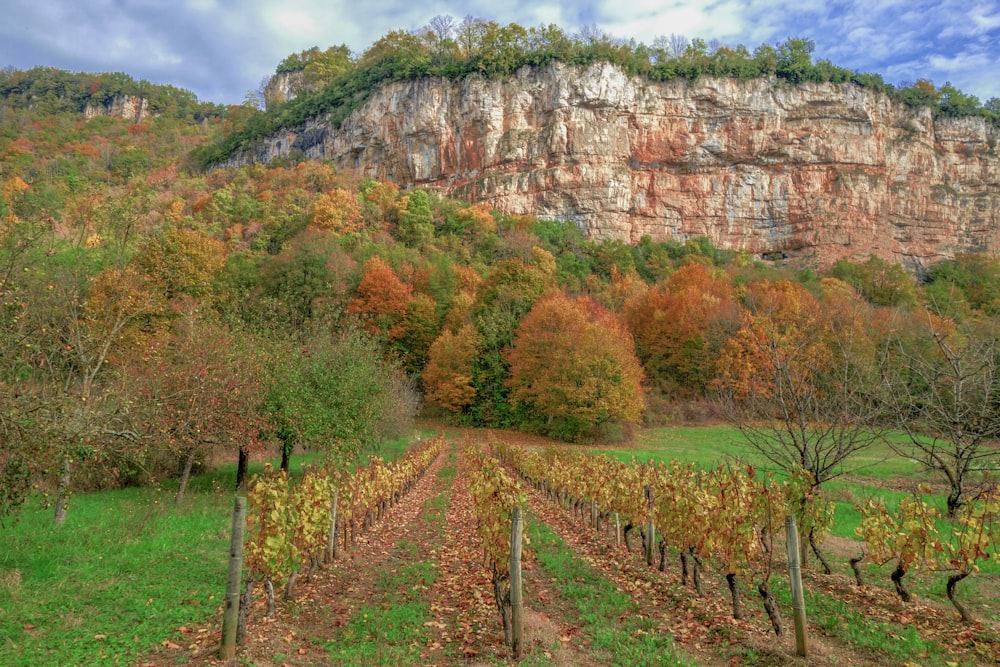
[127,107]
[812,172]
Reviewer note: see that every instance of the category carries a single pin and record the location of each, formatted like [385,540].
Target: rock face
[282,87]
[127,107]
[813,172]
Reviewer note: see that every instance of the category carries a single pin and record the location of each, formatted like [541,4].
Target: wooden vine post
[795,577]
[227,651]
[650,527]
[516,600]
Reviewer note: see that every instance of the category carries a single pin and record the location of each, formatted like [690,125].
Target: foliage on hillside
[337,85]
[109,251]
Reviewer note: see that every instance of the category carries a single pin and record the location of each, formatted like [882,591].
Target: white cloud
[221,48]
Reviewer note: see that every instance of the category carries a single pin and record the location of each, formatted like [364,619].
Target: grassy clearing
[606,615]
[893,644]
[125,571]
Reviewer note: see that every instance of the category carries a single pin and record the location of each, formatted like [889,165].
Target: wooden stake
[795,577]
[230,617]
[516,601]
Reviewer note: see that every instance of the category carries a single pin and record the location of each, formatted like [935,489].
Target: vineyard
[623,563]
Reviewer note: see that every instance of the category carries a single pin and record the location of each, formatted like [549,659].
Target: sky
[222,49]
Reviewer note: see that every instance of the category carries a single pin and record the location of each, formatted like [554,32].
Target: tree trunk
[286,455]
[269,592]
[331,541]
[245,600]
[663,556]
[897,579]
[241,471]
[503,604]
[185,476]
[289,587]
[820,555]
[856,567]
[771,608]
[954,501]
[697,576]
[684,569]
[962,611]
[734,592]
[62,495]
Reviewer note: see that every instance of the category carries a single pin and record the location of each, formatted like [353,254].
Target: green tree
[331,392]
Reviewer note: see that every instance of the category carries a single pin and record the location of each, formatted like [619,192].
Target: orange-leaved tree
[680,324]
[447,378]
[383,300]
[573,367]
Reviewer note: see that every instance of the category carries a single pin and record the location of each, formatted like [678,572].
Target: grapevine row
[495,495]
[295,525]
[723,518]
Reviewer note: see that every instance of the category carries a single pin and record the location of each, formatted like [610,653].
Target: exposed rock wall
[815,172]
[127,107]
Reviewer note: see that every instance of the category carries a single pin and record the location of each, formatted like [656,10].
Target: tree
[339,211]
[332,392]
[416,222]
[941,387]
[798,378]
[573,366]
[383,300]
[204,389]
[447,378]
[680,325]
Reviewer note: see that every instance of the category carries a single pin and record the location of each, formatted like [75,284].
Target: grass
[606,615]
[893,644]
[125,571]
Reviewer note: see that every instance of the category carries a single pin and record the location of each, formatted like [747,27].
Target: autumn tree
[940,380]
[383,300]
[798,378]
[681,324]
[573,366]
[203,389]
[339,211]
[447,378]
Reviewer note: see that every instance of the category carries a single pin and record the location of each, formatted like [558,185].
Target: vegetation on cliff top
[335,84]
[49,90]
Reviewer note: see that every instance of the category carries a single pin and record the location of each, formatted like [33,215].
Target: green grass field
[125,571]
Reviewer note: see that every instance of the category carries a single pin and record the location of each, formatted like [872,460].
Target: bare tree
[798,379]
[442,26]
[941,387]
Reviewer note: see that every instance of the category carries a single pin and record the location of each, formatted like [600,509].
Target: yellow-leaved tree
[574,369]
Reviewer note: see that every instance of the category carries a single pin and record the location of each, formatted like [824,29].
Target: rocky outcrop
[282,87]
[813,172]
[126,107]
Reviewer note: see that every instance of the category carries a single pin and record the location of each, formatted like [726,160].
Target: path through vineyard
[412,590]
